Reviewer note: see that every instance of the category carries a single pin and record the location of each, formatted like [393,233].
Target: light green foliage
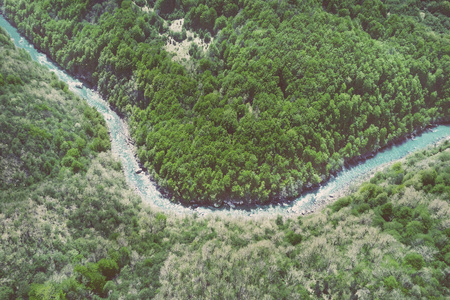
[91,277]
[340,203]
[46,291]
[331,241]
[40,124]
[103,241]
[414,260]
[390,283]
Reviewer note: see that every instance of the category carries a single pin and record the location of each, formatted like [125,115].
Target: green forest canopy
[285,93]
[81,233]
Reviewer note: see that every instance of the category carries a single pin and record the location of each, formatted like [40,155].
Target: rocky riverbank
[353,187]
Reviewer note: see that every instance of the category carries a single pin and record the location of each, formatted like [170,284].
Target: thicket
[286,92]
[387,240]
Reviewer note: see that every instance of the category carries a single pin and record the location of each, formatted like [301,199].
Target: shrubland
[386,240]
[46,131]
[67,215]
[273,97]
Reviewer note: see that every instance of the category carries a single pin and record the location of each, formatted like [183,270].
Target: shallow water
[147,189]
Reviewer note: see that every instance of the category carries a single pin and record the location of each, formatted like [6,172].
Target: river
[147,189]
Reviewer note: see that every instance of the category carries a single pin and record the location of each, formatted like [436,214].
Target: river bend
[147,189]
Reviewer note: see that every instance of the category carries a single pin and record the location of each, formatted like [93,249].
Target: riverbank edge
[234,204]
[351,162]
[354,186]
[241,205]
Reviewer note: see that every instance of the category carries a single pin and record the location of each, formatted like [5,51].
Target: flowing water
[147,189]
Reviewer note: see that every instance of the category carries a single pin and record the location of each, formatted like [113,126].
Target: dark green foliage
[360,209]
[342,202]
[412,223]
[14,80]
[95,216]
[293,238]
[403,215]
[95,275]
[108,268]
[317,290]
[414,228]
[249,121]
[379,200]
[387,211]
[269,108]
[165,7]
[91,277]
[414,260]
[429,177]
[59,216]
[279,221]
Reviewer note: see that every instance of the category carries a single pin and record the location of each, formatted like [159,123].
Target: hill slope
[63,198]
[79,233]
[274,97]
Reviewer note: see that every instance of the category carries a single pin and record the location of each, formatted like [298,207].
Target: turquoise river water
[148,191]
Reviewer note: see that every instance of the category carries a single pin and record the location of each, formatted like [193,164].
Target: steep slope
[63,199]
[79,233]
[46,130]
[274,97]
[387,240]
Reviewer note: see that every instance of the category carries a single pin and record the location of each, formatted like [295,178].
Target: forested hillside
[46,131]
[255,100]
[67,215]
[387,240]
[76,231]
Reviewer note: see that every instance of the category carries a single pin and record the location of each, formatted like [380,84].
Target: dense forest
[75,230]
[255,100]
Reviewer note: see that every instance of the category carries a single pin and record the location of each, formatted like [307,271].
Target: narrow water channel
[147,189]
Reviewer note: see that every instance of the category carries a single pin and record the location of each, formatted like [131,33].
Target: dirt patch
[422,15]
[177,25]
[181,49]
[145,8]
